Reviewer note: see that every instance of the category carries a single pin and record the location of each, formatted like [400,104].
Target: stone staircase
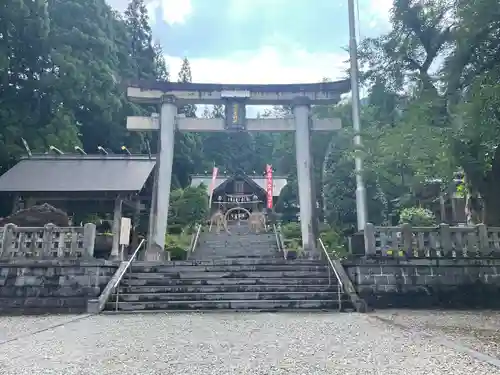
[236,245]
[236,284]
[236,271]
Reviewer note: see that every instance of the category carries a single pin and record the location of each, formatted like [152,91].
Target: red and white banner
[212,184]
[269,176]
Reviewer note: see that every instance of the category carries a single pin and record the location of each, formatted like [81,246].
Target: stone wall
[29,286]
[427,283]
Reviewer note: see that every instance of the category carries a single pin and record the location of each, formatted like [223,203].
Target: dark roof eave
[138,157]
[66,192]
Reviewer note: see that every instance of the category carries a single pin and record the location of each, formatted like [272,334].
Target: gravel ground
[479,330]
[227,343]
[11,327]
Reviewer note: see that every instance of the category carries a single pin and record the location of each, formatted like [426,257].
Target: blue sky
[259,41]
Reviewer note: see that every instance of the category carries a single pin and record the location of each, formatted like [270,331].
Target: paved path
[231,343]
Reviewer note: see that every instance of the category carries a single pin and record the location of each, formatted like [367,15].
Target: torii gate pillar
[301,113]
[165,160]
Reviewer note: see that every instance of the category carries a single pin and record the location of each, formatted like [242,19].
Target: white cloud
[377,15]
[173,11]
[266,65]
[119,5]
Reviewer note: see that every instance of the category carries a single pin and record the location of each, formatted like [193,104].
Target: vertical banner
[269,176]
[212,185]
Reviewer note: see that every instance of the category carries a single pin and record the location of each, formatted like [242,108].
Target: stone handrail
[439,241]
[194,240]
[279,240]
[95,306]
[345,282]
[48,242]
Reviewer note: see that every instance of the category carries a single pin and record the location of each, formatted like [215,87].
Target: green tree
[142,52]
[471,73]
[188,207]
[407,129]
[339,179]
[187,145]
[89,70]
[30,105]
[449,106]
[185,76]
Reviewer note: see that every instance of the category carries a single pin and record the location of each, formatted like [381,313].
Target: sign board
[235,115]
[269,185]
[125,228]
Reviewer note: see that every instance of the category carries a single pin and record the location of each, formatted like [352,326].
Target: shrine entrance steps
[230,284]
[236,244]
[237,271]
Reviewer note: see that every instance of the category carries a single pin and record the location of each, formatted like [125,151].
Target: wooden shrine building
[109,184]
[240,190]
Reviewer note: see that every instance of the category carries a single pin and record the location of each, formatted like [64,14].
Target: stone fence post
[370,245]
[483,241]
[445,238]
[7,239]
[406,239]
[89,233]
[48,233]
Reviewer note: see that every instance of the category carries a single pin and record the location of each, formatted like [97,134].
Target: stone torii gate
[171,95]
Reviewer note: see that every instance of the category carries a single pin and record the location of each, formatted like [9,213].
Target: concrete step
[229,274]
[163,281]
[234,253]
[270,238]
[230,241]
[236,247]
[259,305]
[237,233]
[237,241]
[225,261]
[224,296]
[216,256]
[229,268]
[228,288]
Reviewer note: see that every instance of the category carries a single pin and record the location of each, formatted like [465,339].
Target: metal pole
[360,186]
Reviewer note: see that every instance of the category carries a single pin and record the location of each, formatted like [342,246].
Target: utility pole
[361,209]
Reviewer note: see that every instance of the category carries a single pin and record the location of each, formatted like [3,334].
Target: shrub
[334,242]
[332,238]
[188,207]
[417,217]
[178,244]
[291,231]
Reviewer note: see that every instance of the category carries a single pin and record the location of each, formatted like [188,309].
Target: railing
[439,241]
[337,276]
[194,240]
[124,270]
[279,240]
[48,242]
[95,306]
